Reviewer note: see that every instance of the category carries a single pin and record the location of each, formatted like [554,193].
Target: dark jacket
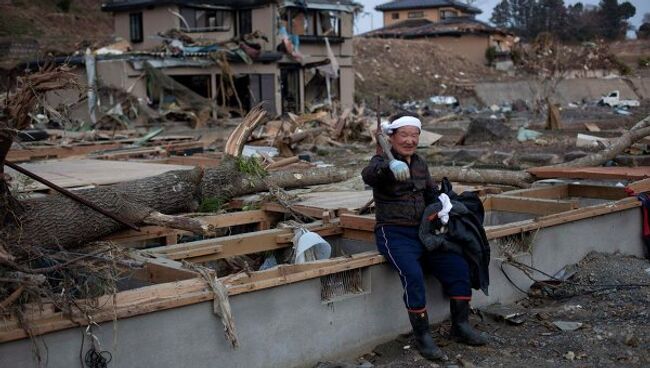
[464,233]
[399,203]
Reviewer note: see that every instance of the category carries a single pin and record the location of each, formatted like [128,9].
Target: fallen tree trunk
[618,146]
[520,179]
[523,179]
[57,221]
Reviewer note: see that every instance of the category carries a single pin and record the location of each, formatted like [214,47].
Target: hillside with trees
[569,23]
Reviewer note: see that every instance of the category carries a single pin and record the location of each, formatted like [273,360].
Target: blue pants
[401,246]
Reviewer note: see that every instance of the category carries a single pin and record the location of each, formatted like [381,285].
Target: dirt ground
[614,329]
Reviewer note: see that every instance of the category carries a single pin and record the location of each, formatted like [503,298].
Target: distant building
[447,23]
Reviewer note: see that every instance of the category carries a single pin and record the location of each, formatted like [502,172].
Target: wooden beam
[596,191]
[176,294]
[547,192]
[629,173]
[367,223]
[22,155]
[129,237]
[358,222]
[159,270]
[294,273]
[640,186]
[240,244]
[534,206]
[498,231]
[136,239]
[312,212]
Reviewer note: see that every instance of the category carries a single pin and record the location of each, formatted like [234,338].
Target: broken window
[245,22]
[262,89]
[395,16]
[200,84]
[329,23]
[311,22]
[135,27]
[319,91]
[416,14]
[445,14]
[205,20]
[290,87]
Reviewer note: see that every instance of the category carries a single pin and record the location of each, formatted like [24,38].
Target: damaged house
[294,56]
[450,24]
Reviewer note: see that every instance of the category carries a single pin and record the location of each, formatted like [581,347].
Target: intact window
[416,14]
[135,27]
[204,20]
[394,16]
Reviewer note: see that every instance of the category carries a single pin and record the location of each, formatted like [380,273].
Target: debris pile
[381,68]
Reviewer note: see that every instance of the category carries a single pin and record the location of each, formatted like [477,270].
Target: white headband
[389,129]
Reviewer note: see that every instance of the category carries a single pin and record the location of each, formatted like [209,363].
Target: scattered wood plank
[84,172]
[548,192]
[31,154]
[640,186]
[617,173]
[535,206]
[592,127]
[596,191]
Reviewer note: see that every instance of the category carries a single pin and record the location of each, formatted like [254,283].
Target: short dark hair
[402,114]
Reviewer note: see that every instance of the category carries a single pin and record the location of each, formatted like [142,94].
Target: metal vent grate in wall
[342,284]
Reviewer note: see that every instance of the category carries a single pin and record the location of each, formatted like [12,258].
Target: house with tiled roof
[451,24]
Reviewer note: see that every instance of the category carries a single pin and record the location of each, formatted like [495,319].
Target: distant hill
[33,28]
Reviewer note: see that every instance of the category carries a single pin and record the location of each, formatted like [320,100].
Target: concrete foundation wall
[575,90]
[569,90]
[641,87]
[289,326]
[500,93]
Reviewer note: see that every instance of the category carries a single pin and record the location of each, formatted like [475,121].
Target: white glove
[400,169]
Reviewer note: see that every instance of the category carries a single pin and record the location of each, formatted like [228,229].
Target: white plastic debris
[524,134]
[310,246]
[250,151]
[590,141]
[443,100]
[567,325]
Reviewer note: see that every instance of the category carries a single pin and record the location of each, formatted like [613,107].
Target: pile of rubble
[413,70]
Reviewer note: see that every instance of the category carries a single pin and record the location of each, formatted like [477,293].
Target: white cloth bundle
[389,129]
[443,215]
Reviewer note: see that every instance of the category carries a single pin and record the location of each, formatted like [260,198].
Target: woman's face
[405,140]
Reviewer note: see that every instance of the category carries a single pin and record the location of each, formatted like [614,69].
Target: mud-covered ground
[613,311]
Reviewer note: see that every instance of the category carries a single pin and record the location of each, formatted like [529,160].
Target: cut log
[519,179]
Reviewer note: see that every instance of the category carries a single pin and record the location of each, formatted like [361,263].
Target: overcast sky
[373,19]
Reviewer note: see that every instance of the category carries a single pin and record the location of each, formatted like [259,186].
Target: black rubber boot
[461,330]
[423,340]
